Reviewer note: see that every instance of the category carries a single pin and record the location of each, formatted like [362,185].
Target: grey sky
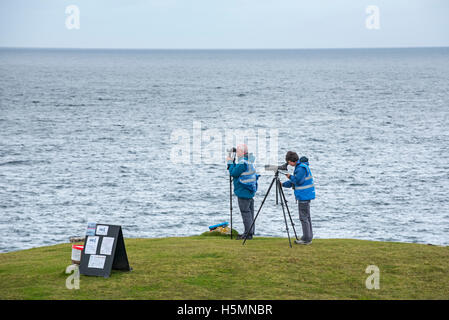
[223,24]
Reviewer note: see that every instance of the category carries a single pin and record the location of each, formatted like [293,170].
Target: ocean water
[85,136]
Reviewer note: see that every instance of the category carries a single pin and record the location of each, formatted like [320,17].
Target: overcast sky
[224,23]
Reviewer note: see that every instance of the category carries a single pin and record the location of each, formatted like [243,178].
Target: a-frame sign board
[104,250]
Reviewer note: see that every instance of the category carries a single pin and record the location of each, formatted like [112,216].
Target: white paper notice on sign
[106,245]
[96,261]
[91,245]
[102,230]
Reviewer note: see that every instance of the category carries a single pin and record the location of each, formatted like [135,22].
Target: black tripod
[280,193]
[231,151]
[230,199]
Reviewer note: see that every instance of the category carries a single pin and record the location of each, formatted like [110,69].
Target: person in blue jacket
[245,186]
[302,182]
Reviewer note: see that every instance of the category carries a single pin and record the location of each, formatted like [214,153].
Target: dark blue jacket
[235,170]
[303,181]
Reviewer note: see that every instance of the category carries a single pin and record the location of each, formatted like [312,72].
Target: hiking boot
[303,242]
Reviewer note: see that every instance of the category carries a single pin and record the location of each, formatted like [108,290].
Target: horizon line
[223,49]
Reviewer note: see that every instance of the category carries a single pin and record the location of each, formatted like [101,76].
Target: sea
[124,137]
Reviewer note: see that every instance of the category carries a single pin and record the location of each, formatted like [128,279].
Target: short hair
[291,156]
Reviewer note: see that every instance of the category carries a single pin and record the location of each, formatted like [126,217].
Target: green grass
[219,268]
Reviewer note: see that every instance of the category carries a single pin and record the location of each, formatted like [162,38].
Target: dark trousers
[306,222]
[247,210]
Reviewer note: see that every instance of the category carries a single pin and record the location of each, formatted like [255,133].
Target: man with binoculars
[245,186]
[302,182]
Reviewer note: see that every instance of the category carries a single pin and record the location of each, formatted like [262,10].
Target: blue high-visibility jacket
[302,180]
[245,177]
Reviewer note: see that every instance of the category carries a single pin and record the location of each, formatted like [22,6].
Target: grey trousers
[306,222]
[247,210]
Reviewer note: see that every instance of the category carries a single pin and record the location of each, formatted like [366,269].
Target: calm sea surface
[85,136]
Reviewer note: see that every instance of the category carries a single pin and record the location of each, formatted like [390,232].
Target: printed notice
[96,261]
[91,245]
[106,245]
[102,230]
[91,229]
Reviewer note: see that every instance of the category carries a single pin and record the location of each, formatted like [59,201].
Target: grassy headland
[217,268]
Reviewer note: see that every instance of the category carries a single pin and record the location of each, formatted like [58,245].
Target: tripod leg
[282,194]
[277,192]
[283,211]
[230,199]
[261,205]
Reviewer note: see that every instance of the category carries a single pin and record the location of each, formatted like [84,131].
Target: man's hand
[288,175]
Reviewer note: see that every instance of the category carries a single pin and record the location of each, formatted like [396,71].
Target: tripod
[230,200]
[281,195]
[230,190]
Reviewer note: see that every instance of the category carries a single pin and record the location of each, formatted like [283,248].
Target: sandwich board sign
[104,250]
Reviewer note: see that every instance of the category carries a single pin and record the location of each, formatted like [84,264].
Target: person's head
[291,158]
[242,149]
